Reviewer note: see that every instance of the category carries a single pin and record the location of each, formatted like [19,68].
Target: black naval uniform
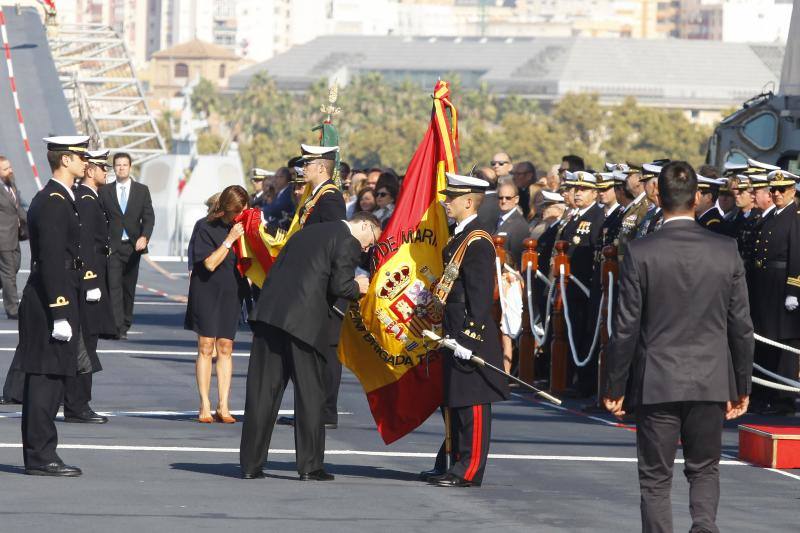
[714,221]
[97,318]
[583,233]
[52,293]
[469,391]
[291,340]
[329,207]
[776,275]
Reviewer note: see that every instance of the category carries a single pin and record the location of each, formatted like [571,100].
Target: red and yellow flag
[256,250]
[381,340]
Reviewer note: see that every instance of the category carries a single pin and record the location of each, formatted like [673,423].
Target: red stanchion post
[559,349]
[527,343]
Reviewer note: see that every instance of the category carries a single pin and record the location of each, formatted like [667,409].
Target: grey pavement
[153,468]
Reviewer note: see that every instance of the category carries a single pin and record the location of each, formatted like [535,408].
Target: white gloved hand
[93,295]
[62,331]
[462,353]
[791,303]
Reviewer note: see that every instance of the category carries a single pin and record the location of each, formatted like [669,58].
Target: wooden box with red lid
[770,446]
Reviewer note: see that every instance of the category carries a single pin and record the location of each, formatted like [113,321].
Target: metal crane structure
[104,95]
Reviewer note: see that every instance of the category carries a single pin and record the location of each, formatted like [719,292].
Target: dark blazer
[138,219]
[53,288]
[12,216]
[97,317]
[314,269]
[281,209]
[489,211]
[713,221]
[682,325]
[329,207]
[515,229]
[468,319]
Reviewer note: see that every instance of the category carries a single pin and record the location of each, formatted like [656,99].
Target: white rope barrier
[544,279]
[777,386]
[609,311]
[503,315]
[575,357]
[584,289]
[776,344]
[529,290]
[783,379]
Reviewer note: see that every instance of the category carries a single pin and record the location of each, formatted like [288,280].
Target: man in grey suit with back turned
[12,218]
[683,330]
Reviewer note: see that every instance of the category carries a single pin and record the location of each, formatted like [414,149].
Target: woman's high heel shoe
[205,419]
[225,419]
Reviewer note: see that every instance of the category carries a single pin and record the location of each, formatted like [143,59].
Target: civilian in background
[216,291]
[511,224]
[489,210]
[280,211]
[572,163]
[501,164]
[372,176]
[524,175]
[358,182]
[130,224]
[13,228]
[386,191]
[257,198]
[365,201]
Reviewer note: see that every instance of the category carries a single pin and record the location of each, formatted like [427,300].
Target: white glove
[462,353]
[791,303]
[62,331]
[93,295]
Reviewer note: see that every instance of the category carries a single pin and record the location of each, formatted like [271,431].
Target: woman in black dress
[216,291]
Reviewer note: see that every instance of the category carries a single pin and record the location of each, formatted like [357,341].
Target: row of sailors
[621,204]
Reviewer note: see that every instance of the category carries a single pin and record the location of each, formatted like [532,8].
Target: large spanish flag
[381,341]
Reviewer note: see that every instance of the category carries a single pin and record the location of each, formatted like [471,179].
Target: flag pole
[449,343]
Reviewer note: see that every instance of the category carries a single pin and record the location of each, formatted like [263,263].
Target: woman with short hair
[216,292]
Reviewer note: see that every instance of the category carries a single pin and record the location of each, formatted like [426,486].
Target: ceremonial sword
[450,343]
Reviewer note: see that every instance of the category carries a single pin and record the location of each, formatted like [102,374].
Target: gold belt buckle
[759,263]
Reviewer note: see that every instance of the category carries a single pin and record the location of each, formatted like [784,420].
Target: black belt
[69,264]
[770,264]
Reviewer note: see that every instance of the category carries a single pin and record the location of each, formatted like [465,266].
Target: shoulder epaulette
[88,196]
[712,221]
[57,194]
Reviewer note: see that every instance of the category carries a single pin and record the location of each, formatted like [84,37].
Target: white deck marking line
[144,352]
[776,470]
[371,453]
[155,414]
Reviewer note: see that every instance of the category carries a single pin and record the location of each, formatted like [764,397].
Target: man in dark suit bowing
[130,224]
[291,337]
[683,330]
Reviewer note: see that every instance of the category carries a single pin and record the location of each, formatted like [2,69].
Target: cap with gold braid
[757,181]
[77,144]
[605,180]
[781,178]
[99,158]
[704,183]
[585,180]
[310,153]
[458,185]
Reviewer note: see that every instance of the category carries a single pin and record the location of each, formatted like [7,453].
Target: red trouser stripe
[477,430]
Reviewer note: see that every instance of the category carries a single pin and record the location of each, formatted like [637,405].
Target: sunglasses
[381,194]
[506,198]
[498,163]
[781,189]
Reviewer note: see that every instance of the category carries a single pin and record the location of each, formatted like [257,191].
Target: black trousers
[40,402]
[275,358]
[699,427]
[123,273]
[471,432]
[333,378]
[15,381]
[9,266]
[77,394]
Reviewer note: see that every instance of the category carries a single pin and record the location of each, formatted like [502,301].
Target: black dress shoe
[13,317]
[331,425]
[86,417]
[426,475]
[8,401]
[285,421]
[452,480]
[123,336]
[316,475]
[57,469]
[253,475]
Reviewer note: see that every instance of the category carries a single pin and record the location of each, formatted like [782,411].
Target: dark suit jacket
[683,319]
[314,269]
[281,209]
[12,216]
[138,219]
[489,211]
[515,229]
